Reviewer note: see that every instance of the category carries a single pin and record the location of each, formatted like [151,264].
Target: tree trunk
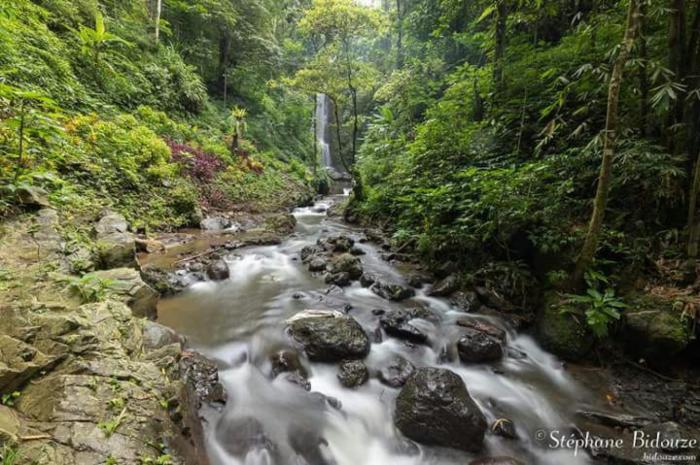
[159,8]
[500,49]
[399,39]
[693,223]
[336,116]
[643,77]
[600,202]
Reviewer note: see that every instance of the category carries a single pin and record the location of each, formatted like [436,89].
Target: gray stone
[397,372]
[397,323]
[218,270]
[478,347]
[353,373]
[31,196]
[126,284]
[434,408]
[156,336]
[392,291]
[346,263]
[445,287]
[329,336]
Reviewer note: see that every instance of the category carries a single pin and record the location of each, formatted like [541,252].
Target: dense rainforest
[296,231]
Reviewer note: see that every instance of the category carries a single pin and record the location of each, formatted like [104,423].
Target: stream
[239,322]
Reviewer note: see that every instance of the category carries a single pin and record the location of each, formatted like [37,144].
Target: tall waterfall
[323,129]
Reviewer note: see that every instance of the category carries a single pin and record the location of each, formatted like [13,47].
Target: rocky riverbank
[86,376]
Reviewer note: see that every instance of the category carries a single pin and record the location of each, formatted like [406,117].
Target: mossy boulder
[654,328]
[560,331]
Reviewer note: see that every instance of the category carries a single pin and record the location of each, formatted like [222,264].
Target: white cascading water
[241,321]
[322,129]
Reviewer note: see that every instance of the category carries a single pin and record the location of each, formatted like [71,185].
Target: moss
[559,330]
[655,328]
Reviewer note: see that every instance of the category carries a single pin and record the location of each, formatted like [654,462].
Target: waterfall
[322,129]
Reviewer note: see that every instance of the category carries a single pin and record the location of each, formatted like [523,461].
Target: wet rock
[392,291]
[505,428]
[329,336]
[559,332]
[339,279]
[357,251]
[445,287]
[19,362]
[202,378]
[116,247]
[496,461]
[654,329]
[127,285]
[353,373]
[337,244]
[156,336]
[308,252]
[397,372]
[317,264]
[488,328]
[467,301]
[397,323]
[346,263]
[366,280]
[491,298]
[30,196]
[478,347]
[434,408]
[286,361]
[216,223]
[218,270]
[239,436]
[416,281]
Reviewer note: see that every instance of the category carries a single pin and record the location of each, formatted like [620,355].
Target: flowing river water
[241,321]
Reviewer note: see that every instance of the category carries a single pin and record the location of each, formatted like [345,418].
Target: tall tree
[600,202]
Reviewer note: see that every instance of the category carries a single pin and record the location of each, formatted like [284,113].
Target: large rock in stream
[434,408]
[329,336]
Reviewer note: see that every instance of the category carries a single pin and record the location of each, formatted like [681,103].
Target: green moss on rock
[560,331]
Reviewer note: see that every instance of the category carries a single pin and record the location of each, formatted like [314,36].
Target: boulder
[397,372]
[317,264]
[309,252]
[346,263]
[654,329]
[329,336]
[127,285]
[218,270]
[397,323]
[434,408]
[339,279]
[353,373]
[337,244]
[445,287]
[116,246]
[31,196]
[156,336]
[241,436]
[392,291]
[478,347]
[559,332]
[201,377]
[492,299]
[366,280]
[488,328]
